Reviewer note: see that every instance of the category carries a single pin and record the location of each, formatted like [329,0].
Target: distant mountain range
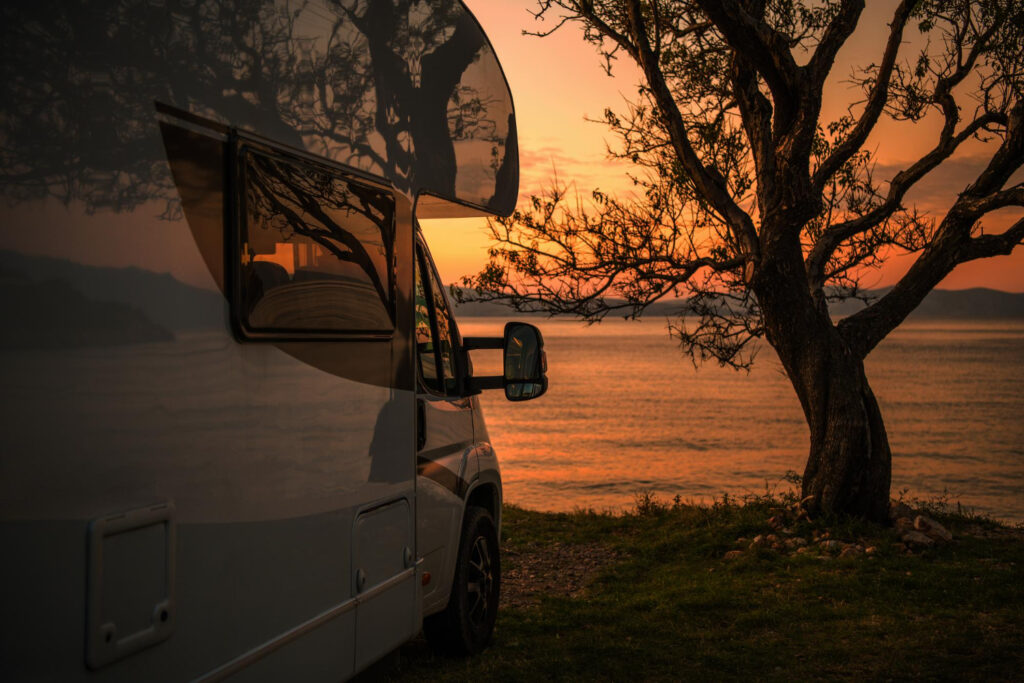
[49,301]
[55,303]
[977,303]
[164,300]
[52,314]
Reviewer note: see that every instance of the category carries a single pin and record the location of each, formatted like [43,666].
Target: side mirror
[526,364]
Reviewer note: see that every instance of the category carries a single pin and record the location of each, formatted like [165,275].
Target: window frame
[432,324]
[426,265]
[240,146]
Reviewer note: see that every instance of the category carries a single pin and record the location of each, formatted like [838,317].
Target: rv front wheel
[466,624]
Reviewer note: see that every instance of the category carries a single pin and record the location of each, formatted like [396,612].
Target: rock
[802,550]
[852,551]
[733,555]
[771,538]
[904,524]
[870,550]
[795,542]
[831,545]
[899,509]
[932,529]
[777,521]
[758,541]
[917,538]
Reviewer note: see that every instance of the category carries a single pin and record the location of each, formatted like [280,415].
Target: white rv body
[219,453]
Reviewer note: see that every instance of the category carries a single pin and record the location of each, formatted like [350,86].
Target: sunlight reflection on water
[627,411]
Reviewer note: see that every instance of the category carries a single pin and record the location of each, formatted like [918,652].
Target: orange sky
[557,82]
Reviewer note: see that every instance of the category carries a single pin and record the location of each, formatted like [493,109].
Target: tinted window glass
[426,350]
[446,335]
[316,249]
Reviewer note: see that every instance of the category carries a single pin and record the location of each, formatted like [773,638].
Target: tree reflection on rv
[316,249]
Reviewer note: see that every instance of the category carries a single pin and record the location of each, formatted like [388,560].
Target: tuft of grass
[670,607]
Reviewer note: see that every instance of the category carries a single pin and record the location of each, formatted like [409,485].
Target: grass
[670,607]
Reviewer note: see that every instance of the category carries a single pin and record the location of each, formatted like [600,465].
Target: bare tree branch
[1013,196]
[756,112]
[839,30]
[951,245]
[987,246]
[876,102]
[756,41]
[708,180]
[901,183]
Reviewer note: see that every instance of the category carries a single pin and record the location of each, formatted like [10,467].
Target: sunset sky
[558,83]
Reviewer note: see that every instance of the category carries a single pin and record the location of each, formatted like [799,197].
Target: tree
[761,213]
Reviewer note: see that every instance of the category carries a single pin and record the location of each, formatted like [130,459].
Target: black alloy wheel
[467,623]
[480,582]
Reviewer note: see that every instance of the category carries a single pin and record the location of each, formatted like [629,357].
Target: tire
[467,623]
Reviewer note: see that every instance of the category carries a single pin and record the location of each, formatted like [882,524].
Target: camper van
[241,433]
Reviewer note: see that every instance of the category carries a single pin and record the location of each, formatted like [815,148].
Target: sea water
[627,412]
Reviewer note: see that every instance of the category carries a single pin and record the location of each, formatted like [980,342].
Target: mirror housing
[525,362]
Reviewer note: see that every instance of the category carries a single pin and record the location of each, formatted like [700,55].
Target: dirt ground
[556,569]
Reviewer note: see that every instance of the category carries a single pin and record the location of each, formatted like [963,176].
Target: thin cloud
[937,191]
[539,167]
[545,157]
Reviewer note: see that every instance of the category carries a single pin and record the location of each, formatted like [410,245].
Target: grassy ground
[658,600]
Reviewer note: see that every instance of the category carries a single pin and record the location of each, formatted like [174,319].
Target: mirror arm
[474,343]
[478,384]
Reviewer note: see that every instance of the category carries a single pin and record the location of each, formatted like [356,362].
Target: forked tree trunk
[849,467]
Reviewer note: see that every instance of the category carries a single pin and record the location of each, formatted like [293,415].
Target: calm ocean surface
[626,411]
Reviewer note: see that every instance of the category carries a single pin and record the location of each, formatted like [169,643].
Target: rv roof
[409,91]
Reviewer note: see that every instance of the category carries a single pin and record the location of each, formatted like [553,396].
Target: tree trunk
[849,467]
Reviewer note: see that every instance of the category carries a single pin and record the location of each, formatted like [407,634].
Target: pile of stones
[915,531]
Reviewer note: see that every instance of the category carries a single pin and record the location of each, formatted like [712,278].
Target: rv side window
[316,250]
[436,334]
[446,335]
[426,349]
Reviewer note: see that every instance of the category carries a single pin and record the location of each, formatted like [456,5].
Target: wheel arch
[487,495]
